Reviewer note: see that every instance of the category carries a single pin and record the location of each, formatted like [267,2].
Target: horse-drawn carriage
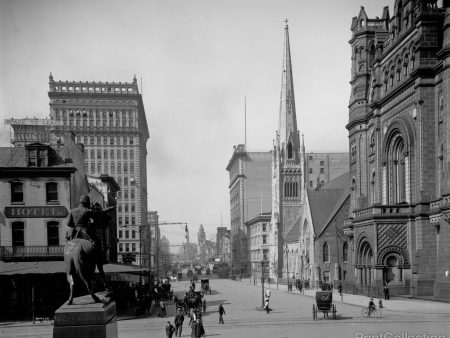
[205,286]
[192,300]
[324,304]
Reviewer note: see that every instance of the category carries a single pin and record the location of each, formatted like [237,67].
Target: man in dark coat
[179,319]
[221,313]
[169,330]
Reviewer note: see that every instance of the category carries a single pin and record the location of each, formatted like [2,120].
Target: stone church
[399,141]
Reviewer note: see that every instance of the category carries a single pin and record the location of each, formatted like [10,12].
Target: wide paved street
[291,317]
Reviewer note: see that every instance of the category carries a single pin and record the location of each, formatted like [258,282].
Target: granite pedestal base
[84,318]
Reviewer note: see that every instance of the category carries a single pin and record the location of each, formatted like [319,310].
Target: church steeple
[287,128]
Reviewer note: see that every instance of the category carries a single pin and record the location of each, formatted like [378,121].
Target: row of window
[112,154]
[326,252]
[126,220]
[18,233]
[92,123]
[17,192]
[127,234]
[96,89]
[101,167]
[127,247]
[105,141]
[322,170]
[94,113]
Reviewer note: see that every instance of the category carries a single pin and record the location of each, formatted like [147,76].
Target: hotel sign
[36,212]
[33,122]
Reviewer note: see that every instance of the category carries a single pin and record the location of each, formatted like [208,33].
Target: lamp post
[262,283]
[287,266]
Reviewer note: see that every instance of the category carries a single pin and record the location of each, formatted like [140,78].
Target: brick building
[109,120]
[399,145]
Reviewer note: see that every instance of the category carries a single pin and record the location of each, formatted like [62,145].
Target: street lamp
[262,283]
[287,266]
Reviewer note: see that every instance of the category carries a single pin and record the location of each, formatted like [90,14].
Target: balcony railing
[383,211]
[9,252]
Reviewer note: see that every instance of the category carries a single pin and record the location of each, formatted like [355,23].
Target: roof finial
[51,77]
[286,21]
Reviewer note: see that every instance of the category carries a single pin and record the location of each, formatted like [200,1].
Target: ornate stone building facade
[109,120]
[399,144]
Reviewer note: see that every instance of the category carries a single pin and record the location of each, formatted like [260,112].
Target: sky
[197,60]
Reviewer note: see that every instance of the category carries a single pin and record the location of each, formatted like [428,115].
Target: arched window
[51,192]
[92,140]
[290,150]
[52,233]
[326,252]
[399,16]
[18,236]
[396,167]
[345,252]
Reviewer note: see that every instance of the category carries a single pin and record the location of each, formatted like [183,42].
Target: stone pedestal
[84,318]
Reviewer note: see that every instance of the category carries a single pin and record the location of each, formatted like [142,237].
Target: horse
[80,257]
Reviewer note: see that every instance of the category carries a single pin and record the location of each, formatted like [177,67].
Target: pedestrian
[162,308]
[386,292]
[221,313]
[179,319]
[204,305]
[266,305]
[196,329]
[300,286]
[169,330]
[340,288]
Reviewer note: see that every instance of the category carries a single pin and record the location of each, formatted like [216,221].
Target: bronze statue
[83,251]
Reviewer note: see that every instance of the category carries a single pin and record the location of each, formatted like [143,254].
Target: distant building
[324,167]
[250,194]
[201,237]
[109,119]
[220,238]
[258,230]
[151,237]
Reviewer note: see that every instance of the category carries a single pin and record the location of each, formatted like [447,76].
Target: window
[131,154]
[133,247]
[290,150]
[120,220]
[92,154]
[127,220]
[126,207]
[264,227]
[37,157]
[133,234]
[18,237]
[99,153]
[119,154]
[326,252]
[105,154]
[125,181]
[52,233]
[111,141]
[92,140]
[132,168]
[51,192]
[120,233]
[120,247]
[326,276]
[322,163]
[16,192]
[310,184]
[264,238]
[310,170]
[396,168]
[133,220]
[131,140]
[345,252]
[133,208]
[127,234]
[111,154]
[322,170]
[124,141]
[132,193]
[127,247]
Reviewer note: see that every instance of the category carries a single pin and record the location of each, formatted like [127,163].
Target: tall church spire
[288,134]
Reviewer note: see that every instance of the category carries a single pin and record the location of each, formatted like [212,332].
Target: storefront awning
[50,267]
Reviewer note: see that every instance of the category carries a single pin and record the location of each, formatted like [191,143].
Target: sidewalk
[402,304]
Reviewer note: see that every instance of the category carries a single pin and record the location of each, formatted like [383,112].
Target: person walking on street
[204,305]
[179,319]
[162,307]
[196,329]
[386,292]
[266,305]
[169,330]
[340,288]
[221,313]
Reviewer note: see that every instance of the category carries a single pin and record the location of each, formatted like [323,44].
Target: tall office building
[109,120]
[250,195]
